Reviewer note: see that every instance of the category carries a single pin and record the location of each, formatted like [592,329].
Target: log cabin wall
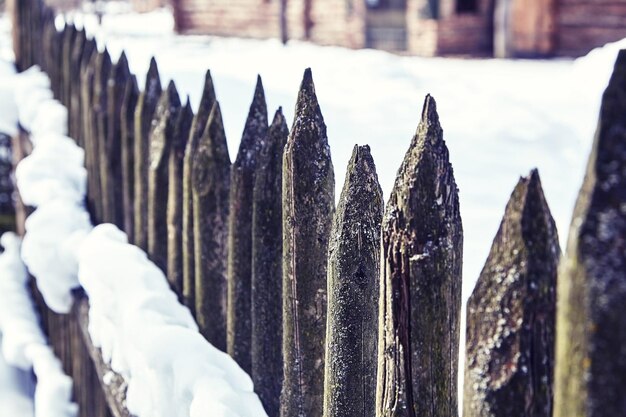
[584,25]
[504,28]
[332,22]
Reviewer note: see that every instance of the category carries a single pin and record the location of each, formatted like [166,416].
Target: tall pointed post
[267,254]
[420,299]
[112,189]
[75,70]
[590,376]
[162,133]
[353,290]
[509,361]
[308,208]
[197,129]
[180,136]
[239,330]
[144,113]
[210,181]
[84,94]
[104,66]
[127,139]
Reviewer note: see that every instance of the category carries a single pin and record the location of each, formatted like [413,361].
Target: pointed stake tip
[429,109]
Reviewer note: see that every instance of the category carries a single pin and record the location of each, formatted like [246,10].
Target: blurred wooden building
[503,28]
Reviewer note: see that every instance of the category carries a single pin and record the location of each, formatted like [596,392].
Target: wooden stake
[197,128]
[210,180]
[420,300]
[144,113]
[353,291]
[239,330]
[590,376]
[161,137]
[308,208]
[509,361]
[267,254]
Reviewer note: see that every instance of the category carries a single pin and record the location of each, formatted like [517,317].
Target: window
[466,6]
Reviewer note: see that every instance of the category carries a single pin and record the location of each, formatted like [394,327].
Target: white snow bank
[152,340]
[52,179]
[8,110]
[23,343]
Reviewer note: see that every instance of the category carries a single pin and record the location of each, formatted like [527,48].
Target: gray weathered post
[100,110]
[308,208]
[210,181]
[267,254]
[127,138]
[420,299]
[75,70]
[89,128]
[590,376]
[111,152]
[509,361]
[69,37]
[180,135]
[144,113]
[239,321]
[197,129]
[353,290]
[161,137]
[84,93]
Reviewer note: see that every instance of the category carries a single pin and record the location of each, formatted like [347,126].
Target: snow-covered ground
[500,118]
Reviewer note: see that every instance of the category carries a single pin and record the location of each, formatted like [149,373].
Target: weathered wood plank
[197,129]
[210,178]
[308,208]
[590,376]
[144,113]
[420,298]
[127,127]
[511,313]
[111,152]
[239,322]
[161,137]
[353,291]
[267,254]
[180,136]
[101,114]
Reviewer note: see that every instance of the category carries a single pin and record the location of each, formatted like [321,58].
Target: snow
[24,344]
[152,340]
[54,181]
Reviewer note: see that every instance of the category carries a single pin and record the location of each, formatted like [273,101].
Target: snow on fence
[288,284]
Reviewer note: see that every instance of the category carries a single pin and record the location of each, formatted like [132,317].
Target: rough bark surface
[127,138]
[267,252]
[509,361]
[197,129]
[420,297]
[162,135]
[210,180]
[89,133]
[144,113]
[175,200]
[353,291]
[239,322]
[590,377]
[308,208]
[112,189]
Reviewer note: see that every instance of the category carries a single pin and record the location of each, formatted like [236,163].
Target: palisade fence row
[288,284]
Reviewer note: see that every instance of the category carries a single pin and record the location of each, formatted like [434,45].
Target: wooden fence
[285,282]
